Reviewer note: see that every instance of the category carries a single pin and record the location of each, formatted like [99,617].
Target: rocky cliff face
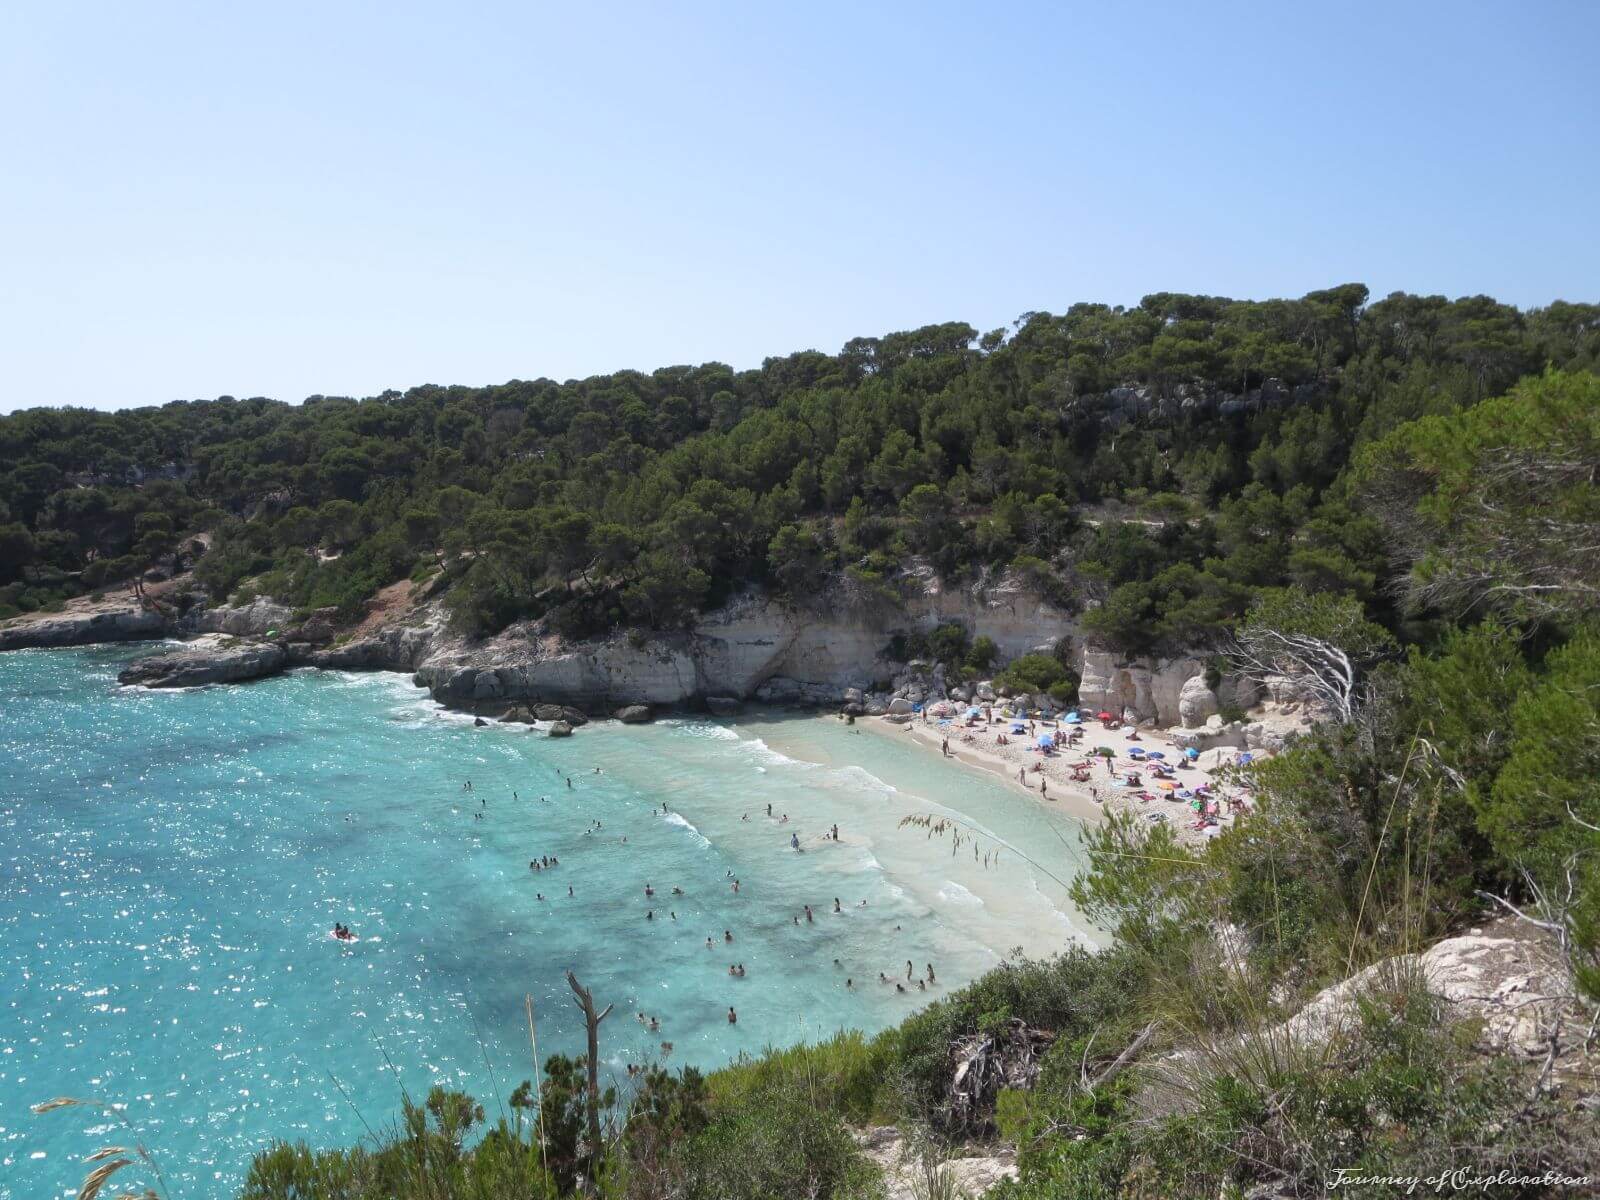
[755,647]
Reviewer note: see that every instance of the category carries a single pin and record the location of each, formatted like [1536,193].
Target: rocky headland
[755,649]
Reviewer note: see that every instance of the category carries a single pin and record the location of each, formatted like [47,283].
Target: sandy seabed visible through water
[174,863]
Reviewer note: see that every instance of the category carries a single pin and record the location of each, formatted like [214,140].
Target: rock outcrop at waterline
[209,659]
[128,624]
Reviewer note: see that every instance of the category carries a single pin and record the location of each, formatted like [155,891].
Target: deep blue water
[173,864]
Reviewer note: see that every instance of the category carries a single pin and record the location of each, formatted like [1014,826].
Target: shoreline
[1088,803]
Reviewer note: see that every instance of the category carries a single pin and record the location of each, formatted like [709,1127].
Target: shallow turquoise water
[172,864]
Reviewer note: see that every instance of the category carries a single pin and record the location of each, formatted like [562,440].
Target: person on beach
[849,985]
[733,1017]
[769,808]
[650,914]
[930,973]
[908,968]
[809,921]
[735,887]
[794,840]
[569,889]
[836,833]
[836,904]
[726,936]
[648,890]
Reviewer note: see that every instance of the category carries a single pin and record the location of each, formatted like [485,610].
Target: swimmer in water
[836,904]
[733,1017]
[650,914]
[727,936]
[794,841]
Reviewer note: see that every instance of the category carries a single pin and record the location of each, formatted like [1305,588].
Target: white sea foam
[952,892]
[765,754]
[673,818]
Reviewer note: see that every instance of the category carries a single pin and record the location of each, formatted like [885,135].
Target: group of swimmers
[342,932]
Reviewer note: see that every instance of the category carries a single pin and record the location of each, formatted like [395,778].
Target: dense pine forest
[1224,427]
[1411,481]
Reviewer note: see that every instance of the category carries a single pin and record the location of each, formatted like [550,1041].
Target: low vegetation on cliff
[1398,501]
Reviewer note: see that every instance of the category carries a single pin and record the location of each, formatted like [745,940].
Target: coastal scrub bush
[780,1143]
[1070,994]
[849,1072]
[1032,673]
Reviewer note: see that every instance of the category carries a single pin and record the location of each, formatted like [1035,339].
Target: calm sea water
[171,865]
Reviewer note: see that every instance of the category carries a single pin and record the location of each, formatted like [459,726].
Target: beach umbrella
[1074,718]
[1046,741]
[1154,754]
[1104,716]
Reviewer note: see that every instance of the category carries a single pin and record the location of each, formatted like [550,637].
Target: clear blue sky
[285,199]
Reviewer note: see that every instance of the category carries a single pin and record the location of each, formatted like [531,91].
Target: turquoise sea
[172,863]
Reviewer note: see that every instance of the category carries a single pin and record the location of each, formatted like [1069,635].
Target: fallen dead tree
[1007,1057]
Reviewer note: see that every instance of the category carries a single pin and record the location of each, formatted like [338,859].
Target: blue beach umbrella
[1074,718]
[1045,740]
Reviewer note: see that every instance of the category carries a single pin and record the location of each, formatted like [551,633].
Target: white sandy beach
[978,748]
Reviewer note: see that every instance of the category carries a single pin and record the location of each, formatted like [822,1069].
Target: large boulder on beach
[560,712]
[1196,702]
[208,660]
[633,714]
[560,729]
[900,706]
[517,713]
[724,706]
[852,695]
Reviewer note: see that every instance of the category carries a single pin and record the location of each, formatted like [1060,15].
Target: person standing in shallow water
[733,1017]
